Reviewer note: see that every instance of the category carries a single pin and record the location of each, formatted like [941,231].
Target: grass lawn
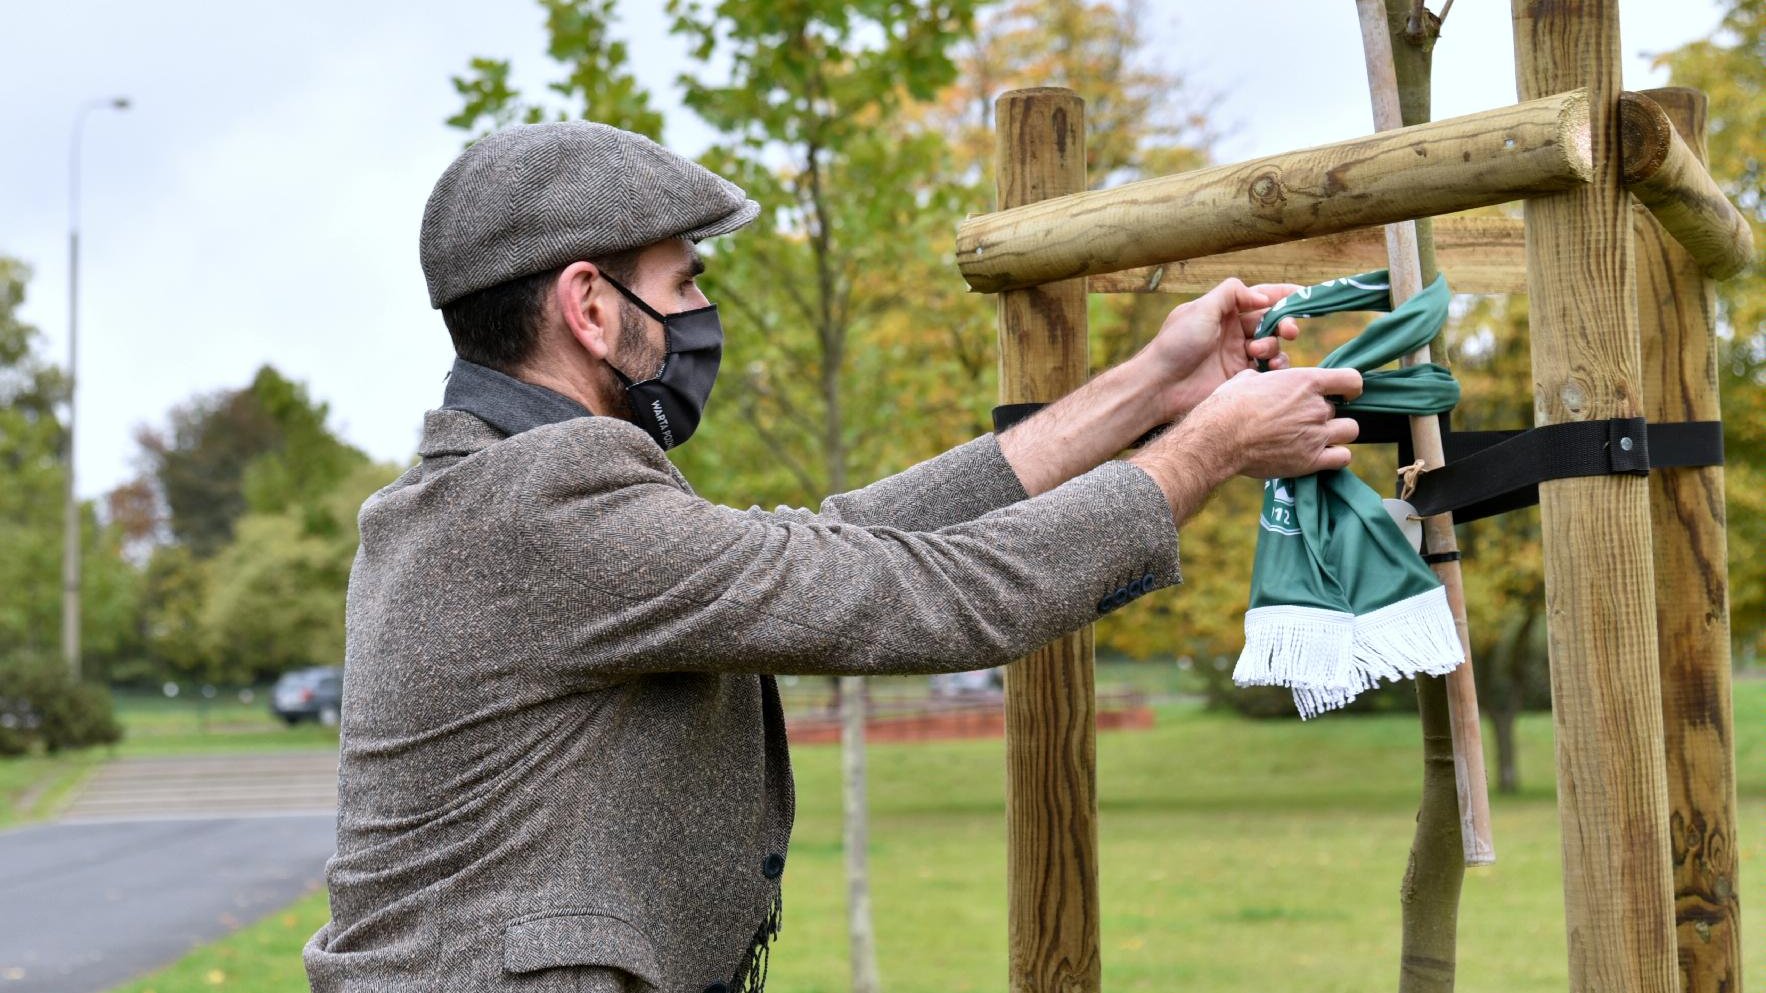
[157,725]
[1236,856]
[31,786]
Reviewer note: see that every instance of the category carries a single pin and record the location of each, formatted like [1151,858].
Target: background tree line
[224,562]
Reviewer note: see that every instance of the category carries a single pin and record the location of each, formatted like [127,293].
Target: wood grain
[1678,317]
[1486,158]
[1599,574]
[1667,176]
[1480,254]
[1051,735]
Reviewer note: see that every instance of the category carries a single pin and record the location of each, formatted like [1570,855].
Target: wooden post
[1051,707]
[1675,309]
[1599,576]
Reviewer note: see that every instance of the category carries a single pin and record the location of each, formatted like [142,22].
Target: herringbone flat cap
[534,197]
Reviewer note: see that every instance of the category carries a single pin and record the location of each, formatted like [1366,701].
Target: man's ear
[589,316]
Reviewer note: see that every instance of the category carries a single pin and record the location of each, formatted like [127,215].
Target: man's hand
[1202,344]
[1266,425]
[1207,341]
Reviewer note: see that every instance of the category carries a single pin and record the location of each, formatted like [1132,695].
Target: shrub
[41,703]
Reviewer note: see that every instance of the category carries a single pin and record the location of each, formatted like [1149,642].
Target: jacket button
[718,987]
[773,866]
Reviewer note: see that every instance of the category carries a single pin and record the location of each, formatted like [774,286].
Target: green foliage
[32,481]
[274,597]
[262,498]
[43,705]
[33,486]
[811,121]
[597,84]
[176,584]
[264,448]
[817,75]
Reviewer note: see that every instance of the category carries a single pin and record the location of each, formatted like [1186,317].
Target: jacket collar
[482,406]
[454,432]
[504,402]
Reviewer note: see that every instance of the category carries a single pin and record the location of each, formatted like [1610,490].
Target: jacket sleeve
[647,577]
[959,485]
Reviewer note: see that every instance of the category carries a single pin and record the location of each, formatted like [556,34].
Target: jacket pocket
[574,938]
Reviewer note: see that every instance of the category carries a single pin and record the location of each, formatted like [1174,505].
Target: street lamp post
[70,549]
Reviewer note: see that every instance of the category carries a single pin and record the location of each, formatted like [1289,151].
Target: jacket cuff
[1134,529]
[996,483]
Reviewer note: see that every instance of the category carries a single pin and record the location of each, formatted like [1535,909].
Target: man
[564,762]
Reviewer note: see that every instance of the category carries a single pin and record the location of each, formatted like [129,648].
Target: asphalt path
[87,905]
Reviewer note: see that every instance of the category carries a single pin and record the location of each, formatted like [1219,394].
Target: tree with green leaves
[259,497]
[273,598]
[807,117]
[596,85]
[263,448]
[32,483]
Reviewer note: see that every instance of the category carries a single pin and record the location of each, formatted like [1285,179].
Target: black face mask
[668,406]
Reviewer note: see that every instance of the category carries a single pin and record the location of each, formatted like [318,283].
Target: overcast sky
[260,202]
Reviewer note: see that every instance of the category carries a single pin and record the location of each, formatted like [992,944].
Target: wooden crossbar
[1444,167]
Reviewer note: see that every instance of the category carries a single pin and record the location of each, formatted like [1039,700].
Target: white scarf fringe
[1329,657]
[1293,646]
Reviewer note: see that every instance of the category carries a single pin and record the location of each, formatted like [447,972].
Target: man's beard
[636,355]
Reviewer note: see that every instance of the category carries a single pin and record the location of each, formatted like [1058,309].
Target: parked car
[309,694]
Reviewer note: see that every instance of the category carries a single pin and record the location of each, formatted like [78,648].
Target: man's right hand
[1266,425]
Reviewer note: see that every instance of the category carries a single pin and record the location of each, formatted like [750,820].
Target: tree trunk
[1502,722]
[851,692]
[1436,870]
[861,933]
[1511,698]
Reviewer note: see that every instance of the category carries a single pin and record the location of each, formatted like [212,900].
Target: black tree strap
[1494,472]
[1007,414]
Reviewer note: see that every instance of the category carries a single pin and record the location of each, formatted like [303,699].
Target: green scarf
[1340,600]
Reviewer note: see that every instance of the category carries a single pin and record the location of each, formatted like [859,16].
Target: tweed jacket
[563,759]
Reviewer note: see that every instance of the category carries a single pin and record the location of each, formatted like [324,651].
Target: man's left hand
[1207,341]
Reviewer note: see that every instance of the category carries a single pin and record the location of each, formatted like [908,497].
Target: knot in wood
[1573,396]
[1266,189]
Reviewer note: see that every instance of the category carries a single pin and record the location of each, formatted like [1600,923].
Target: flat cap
[533,197]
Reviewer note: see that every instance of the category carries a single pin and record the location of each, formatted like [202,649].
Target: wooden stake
[1599,576]
[1485,158]
[1425,433]
[1676,312]
[1051,707]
